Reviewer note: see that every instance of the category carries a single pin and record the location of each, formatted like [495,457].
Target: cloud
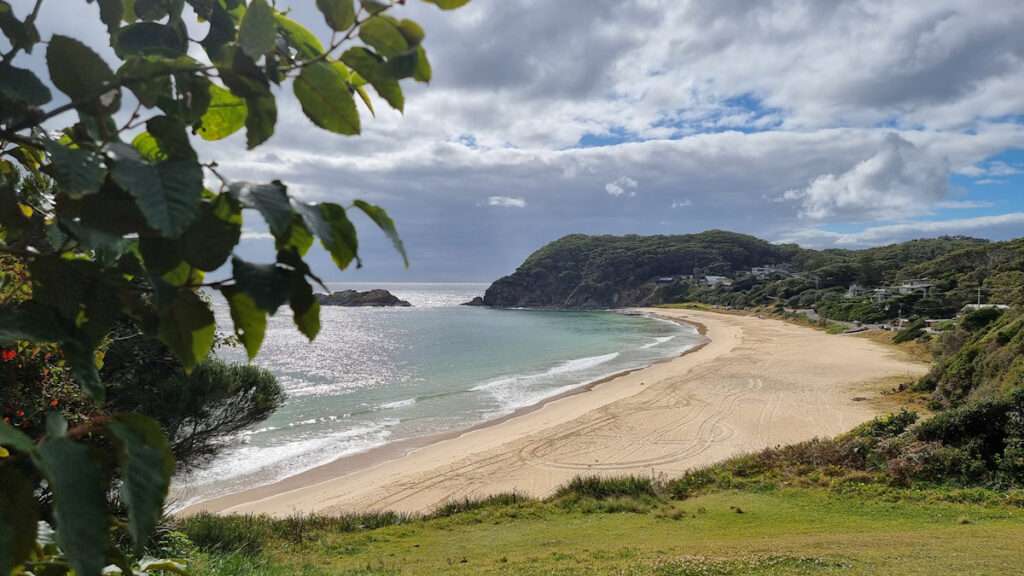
[620,185]
[876,235]
[999,168]
[251,235]
[506,202]
[898,180]
[681,203]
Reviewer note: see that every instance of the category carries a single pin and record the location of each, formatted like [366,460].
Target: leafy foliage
[112,217]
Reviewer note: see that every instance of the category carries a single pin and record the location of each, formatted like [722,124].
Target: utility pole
[900,323]
[979,295]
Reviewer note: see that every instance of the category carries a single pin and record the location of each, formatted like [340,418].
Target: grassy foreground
[774,531]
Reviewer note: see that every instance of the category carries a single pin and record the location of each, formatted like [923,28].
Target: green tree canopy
[129,227]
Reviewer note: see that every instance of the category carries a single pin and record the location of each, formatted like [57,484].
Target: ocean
[378,375]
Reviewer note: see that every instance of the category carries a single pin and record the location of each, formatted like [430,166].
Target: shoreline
[752,383]
[390,451]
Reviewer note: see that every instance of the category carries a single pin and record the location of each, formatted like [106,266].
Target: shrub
[600,488]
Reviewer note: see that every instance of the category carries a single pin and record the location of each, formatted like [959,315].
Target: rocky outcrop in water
[375,297]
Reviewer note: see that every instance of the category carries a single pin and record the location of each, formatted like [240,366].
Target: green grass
[869,530]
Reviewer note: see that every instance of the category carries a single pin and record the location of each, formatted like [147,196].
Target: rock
[375,297]
[478,301]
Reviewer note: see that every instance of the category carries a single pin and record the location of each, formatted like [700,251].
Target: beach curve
[755,383]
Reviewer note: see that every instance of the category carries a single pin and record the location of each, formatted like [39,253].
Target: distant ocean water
[377,375]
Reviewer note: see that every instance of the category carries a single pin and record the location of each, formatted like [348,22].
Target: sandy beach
[756,383]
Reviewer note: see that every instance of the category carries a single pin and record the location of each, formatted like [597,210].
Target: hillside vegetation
[580,271]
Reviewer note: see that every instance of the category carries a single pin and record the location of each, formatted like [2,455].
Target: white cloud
[681,203]
[251,235]
[898,180]
[506,202]
[621,185]
[999,168]
[876,235]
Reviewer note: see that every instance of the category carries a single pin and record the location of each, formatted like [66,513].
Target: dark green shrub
[600,488]
[980,318]
[212,533]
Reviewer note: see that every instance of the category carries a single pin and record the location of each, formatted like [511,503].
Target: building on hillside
[975,307]
[914,285]
[673,279]
[765,271]
[857,291]
[881,294]
[715,281]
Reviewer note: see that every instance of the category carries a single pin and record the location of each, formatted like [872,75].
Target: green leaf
[423,71]
[22,85]
[172,137]
[56,425]
[81,74]
[150,38]
[79,487]
[212,237]
[271,200]
[268,285]
[257,31]
[381,218]
[374,7]
[249,319]
[368,65]
[305,307]
[325,99]
[78,172]
[21,35]
[383,35]
[260,119]
[412,31]
[304,43]
[150,10]
[298,238]
[336,232]
[448,4]
[149,77]
[187,327]
[224,116]
[18,518]
[161,565]
[339,14]
[147,465]
[11,436]
[401,66]
[366,99]
[148,147]
[167,193]
[111,12]
[83,366]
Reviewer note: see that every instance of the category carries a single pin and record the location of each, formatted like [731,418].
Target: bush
[600,488]
[227,534]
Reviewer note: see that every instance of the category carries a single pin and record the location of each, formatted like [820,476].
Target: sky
[847,123]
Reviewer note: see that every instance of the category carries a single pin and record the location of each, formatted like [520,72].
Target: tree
[130,229]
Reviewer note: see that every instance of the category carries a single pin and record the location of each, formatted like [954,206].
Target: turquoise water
[376,375]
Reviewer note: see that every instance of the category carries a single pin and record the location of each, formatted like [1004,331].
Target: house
[856,291]
[975,307]
[881,294]
[664,280]
[715,281]
[914,285]
[933,323]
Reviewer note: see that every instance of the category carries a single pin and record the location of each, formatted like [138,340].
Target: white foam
[657,341]
[398,404]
